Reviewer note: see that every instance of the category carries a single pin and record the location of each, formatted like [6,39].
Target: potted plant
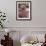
[2,19]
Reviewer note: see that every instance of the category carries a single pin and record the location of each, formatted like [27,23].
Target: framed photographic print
[23,10]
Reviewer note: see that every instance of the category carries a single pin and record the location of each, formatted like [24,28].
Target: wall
[38,14]
[38,22]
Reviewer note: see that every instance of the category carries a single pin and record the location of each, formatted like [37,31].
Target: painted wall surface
[38,22]
[38,14]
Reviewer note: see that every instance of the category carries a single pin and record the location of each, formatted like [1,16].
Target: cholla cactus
[2,19]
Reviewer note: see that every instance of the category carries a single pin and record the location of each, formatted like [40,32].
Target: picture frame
[23,10]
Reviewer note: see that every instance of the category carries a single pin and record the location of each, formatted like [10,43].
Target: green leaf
[0,12]
[4,16]
[3,19]
[2,26]
[1,15]
[4,13]
[0,21]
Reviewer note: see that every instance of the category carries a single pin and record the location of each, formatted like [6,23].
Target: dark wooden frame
[30,10]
